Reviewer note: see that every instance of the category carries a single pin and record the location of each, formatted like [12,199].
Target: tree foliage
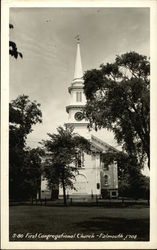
[13,51]
[118,99]
[62,156]
[24,163]
[24,172]
[23,114]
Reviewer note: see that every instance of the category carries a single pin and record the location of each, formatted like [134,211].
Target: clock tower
[77,99]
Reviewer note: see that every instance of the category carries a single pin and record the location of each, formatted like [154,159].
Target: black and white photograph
[79,153]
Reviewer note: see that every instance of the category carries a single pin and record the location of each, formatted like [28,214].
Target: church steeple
[78,73]
[77,98]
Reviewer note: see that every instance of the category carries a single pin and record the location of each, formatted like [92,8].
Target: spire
[78,74]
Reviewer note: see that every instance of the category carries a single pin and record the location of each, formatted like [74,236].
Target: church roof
[100,145]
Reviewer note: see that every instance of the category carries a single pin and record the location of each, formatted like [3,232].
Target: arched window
[106,180]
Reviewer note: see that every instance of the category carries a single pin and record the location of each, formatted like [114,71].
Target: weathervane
[78,38]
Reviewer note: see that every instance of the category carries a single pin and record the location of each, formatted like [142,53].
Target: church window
[106,180]
[79,96]
[106,167]
[98,185]
[114,193]
[80,160]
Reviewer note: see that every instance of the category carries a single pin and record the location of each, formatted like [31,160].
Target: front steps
[81,197]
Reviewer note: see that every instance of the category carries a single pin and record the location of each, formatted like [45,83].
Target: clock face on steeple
[78,116]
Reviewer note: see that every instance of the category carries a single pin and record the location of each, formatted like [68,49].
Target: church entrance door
[80,184]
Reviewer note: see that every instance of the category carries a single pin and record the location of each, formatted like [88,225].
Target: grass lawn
[78,223]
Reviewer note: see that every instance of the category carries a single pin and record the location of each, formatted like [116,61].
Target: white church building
[94,177]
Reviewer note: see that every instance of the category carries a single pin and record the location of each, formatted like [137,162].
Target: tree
[33,170]
[25,173]
[13,48]
[118,99]
[138,184]
[23,114]
[63,149]
[24,163]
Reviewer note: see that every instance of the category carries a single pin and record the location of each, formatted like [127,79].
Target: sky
[46,38]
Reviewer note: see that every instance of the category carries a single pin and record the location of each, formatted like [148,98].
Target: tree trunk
[63,185]
[64,194]
[52,193]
